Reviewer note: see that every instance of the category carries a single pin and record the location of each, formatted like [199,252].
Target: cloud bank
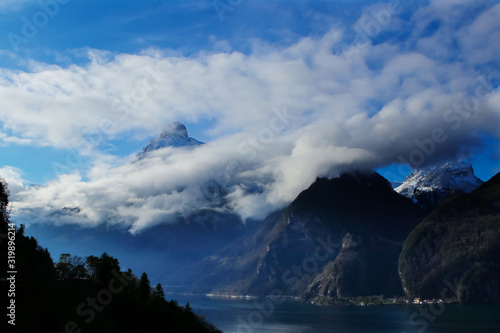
[281,116]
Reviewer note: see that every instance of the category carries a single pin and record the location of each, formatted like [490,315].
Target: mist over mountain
[163,250]
[342,237]
[274,116]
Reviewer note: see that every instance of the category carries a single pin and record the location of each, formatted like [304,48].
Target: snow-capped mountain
[429,185]
[174,135]
[396,184]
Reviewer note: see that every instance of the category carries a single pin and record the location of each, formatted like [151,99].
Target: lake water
[265,316]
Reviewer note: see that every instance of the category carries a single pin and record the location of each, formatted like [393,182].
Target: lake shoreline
[326,301]
[242,314]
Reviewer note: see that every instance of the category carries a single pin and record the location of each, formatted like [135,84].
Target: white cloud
[13,178]
[340,115]
[7,140]
[480,39]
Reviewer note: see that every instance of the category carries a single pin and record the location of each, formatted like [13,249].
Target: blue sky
[85,85]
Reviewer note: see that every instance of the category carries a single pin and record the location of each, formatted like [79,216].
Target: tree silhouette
[64,266]
[105,266]
[158,292]
[20,231]
[144,288]
[91,264]
[4,220]
[4,202]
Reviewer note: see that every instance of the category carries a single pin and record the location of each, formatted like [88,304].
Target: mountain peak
[174,135]
[175,129]
[429,185]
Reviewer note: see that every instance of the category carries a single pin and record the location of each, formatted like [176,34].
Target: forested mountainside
[455,251]
[77,295]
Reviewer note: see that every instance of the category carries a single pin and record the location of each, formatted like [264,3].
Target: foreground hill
[454,252]
[106,301]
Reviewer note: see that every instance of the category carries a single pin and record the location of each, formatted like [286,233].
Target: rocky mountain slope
[340,237]
[454,252]
[428,186]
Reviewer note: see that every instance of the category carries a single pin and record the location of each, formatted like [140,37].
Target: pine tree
[144,288]
[158,292]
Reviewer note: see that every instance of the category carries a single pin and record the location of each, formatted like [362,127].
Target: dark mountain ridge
[340,237]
